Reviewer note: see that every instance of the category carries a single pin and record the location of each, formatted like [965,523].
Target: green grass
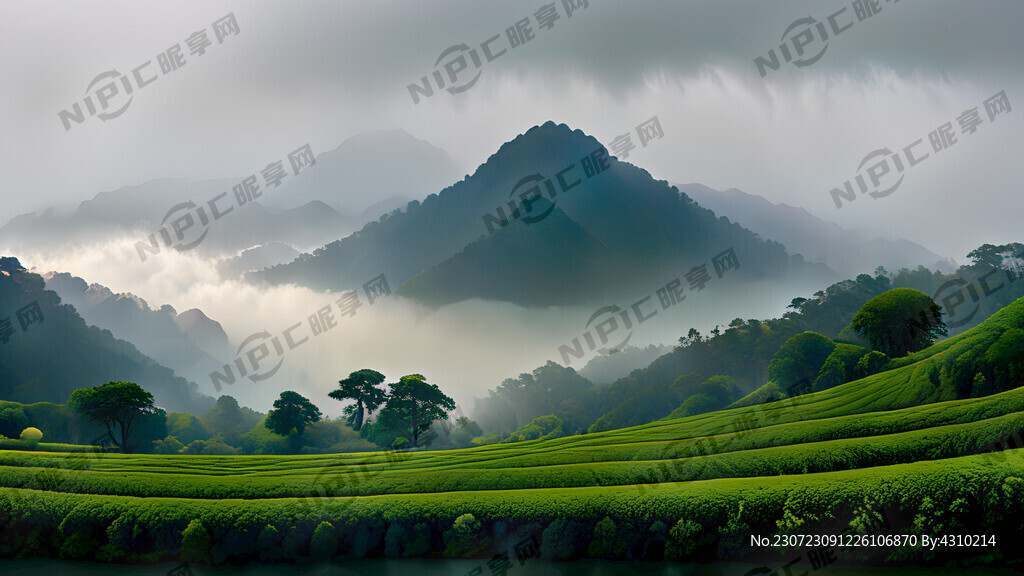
[896,438]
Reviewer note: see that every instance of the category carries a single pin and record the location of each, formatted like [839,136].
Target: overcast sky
[321,72]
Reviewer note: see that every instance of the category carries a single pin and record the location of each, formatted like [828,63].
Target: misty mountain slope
[204,331]
[645,223]
[540,264]
[256,258]
[848,252]
[46,360]
[162,334]
[368,169]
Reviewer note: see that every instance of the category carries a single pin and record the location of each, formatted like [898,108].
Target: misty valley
[577,296]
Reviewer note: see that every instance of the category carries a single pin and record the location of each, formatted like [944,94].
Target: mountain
[615,225]
[55,352]
[366,176]
[189,343]
[848,252]
[256,258]
[383,166]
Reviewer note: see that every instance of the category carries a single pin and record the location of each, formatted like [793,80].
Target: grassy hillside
[904,441]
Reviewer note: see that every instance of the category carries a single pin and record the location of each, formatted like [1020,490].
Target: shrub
[395,540]
[195,543]
[218,448]
[602,544]
[12,419]
[731,537]
[419,541]
[169,445]
[563,539]
[31,436]
[268,544]
[870,363]
[325,541]
[465,538]
[683,540]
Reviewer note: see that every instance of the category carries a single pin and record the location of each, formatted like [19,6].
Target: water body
[419,567]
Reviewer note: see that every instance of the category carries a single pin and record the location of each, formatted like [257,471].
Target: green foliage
[211,448]
[798,361]
[268,543]
[564,539]
[325,542]
[229,420]
[870,364]
[465,538]
[732,538]
[117,405]
[603,543]
[360,386]
[696,404]
[683,540]
[395,540]
[871,443]
[169,445]
[419,541]
[833,373]
[12,419]
[31,436]
[413,406]
[187,428]
[292,413]
[900,321]
[540,428]
[195,543]
[260,440]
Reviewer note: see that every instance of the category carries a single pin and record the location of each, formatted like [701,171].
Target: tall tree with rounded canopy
[360,386]
[797,362]
[414,405]
[292,411]
[900,321]
[114,404]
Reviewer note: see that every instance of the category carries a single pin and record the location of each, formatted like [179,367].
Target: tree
[292,412]
[230,420]
[413,406]
[360,386]
[187,428]
[12,421]
[900,321]
[119,404]
[797,362]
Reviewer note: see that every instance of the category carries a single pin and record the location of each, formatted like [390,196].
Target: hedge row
[679,463]
[703,520]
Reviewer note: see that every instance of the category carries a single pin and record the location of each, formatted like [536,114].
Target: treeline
[733,362]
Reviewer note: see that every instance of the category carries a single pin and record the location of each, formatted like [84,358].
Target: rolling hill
[887,454]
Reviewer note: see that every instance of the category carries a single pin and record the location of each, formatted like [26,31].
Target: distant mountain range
[50,351]
[848,252]
[365,177]
[614,229]
[387,166]
[189,343]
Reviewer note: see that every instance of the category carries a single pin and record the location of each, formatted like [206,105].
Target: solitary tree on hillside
[413,406]
[360,386]
[114,404]
[291,412]
[900,321]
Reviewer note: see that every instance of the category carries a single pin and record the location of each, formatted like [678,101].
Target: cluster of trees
[122,415]
[900,319]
